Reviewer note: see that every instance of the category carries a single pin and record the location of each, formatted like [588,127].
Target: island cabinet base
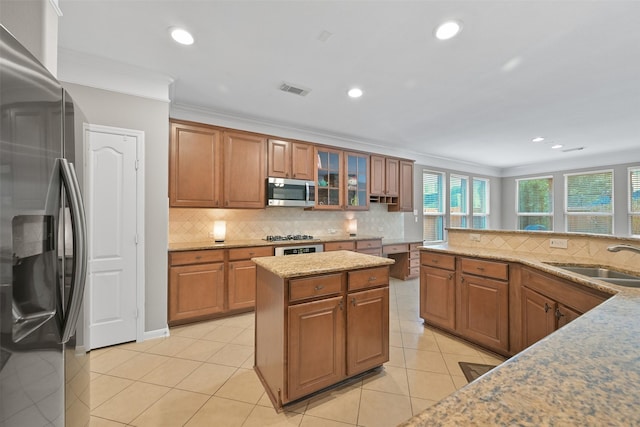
[316,331]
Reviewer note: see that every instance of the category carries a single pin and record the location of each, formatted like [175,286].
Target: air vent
[568,150]
[296,90]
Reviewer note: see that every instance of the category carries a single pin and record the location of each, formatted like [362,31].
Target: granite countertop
[586,373]
[319,263]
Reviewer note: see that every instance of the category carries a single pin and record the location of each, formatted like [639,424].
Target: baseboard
[158,333]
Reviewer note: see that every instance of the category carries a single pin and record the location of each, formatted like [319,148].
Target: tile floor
[202,376]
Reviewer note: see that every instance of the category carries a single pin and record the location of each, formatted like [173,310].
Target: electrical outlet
[558,243]
[474,237]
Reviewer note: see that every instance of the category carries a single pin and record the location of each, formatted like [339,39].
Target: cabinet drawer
[311,287]
[438,260]
[195,257]
[361,279]
[372,251]
[413,247]
[340,246]
[395,249]
[368,244]
[414,272]
[480,267]
[248,253]
[414,262]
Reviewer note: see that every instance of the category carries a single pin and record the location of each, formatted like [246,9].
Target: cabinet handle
[198,257]
[319,287]
[547,307]
[480,268]
[251,253]
[435,261]
[353,302]
[372,278]
[462,279]
[450,276]
[340,305]
[559,314]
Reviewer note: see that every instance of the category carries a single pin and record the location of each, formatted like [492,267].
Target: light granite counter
[586,373]
[319,263]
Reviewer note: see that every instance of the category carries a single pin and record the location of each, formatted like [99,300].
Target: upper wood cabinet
[328,177]
[405,192]
[245,160]
[194,166]
[356,175]
[384,179]
[288,159]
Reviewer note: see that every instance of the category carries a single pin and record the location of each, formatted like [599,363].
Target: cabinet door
[565,315]
[484,311]
[315,346]
[357,181]
[537,316]
[195,290]
[302,161]
[329,183]
[242,284]
[279,158]
[367,329]
[194,166]
[392,177]
[377,175]
[437,297]
[405,193]
[245,166]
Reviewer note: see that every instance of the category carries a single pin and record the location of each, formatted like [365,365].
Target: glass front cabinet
[356,185]
[329,170]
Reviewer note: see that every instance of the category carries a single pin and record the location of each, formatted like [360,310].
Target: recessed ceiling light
[181,36]
[355,92]
[447,30]
[538,139]
[556,146]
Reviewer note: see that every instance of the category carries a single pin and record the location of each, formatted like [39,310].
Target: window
[480,203]
[433,205]
[634,201]
[458,201]
[534,201]
[589,202]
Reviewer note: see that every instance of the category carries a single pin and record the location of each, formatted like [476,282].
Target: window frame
[631,213]
[464,216]
[540,214]
[577,214]
[487,203]
[443,208]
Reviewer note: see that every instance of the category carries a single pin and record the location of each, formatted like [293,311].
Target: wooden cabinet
[212,283]
[548,303]
[370,247]
[356,183]
[287,159]
[407,260]
[384,179]
[196,285]
[315,331]
[195,164]
[347,245]
[245,159]
[405,192]
[329,179]
[438,290]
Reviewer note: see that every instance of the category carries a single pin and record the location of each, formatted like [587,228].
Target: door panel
[367,329]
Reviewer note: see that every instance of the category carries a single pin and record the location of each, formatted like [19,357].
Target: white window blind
[480,203]
[589,202]
[433,205]
[458,201]
[634,202]
[534,203]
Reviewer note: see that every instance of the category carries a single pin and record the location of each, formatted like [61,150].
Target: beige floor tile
[340,404]
[459,381]
[310,421]
[207,378]
[422,360]
[106,361]
[412,326]
[173,409]
[394,324]
[455,346]
[245,320]
[249,362]
[105,387]
[429,385]
[297,407]
[100,351]
[195,330]
[140,346]
[396,357]
[138,366]
[224,333]
[390,380]
[200,350]
[379,409]
[125,406]
[170,373]
[263,416]
[101,422]
[221,412]
[418,405]
[171,346]
[395,339]
[420,342]
[246,337]
[244,386]
[231,355]
[452,361]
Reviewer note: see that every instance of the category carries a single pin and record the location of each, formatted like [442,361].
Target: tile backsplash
[194,225]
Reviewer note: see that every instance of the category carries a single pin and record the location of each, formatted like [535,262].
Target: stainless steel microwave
[290,192]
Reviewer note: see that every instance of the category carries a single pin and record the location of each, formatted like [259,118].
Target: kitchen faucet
[618,248]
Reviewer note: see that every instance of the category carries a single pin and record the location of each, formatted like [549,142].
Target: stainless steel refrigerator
[44,370]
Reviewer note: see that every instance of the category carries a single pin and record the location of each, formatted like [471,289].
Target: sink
[604,274]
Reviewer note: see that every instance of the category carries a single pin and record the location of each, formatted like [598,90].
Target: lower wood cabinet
[438,297]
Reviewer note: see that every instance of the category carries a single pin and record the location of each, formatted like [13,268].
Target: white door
[111,222]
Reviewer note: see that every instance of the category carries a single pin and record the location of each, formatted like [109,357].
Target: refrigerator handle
[78,278]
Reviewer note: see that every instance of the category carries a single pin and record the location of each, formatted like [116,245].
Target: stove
[289,237]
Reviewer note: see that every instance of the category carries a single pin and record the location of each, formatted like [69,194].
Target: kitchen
[144,104]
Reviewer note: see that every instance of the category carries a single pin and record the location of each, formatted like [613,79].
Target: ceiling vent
[568,150]
[296,90]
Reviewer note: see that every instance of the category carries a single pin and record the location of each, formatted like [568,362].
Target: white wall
[108,108]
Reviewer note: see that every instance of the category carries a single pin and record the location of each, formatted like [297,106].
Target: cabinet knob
[319,287]
[198,257]
[435,261]
[340,305]
[372,278]
[559,314]
[547,307]
[462,279]
[251,253]
[450,276]
[480,268]
[353,302]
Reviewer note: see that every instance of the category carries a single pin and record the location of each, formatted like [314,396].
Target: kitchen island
[585,373]
[320,318]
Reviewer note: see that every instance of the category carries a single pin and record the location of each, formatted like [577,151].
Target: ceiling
[565,70]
